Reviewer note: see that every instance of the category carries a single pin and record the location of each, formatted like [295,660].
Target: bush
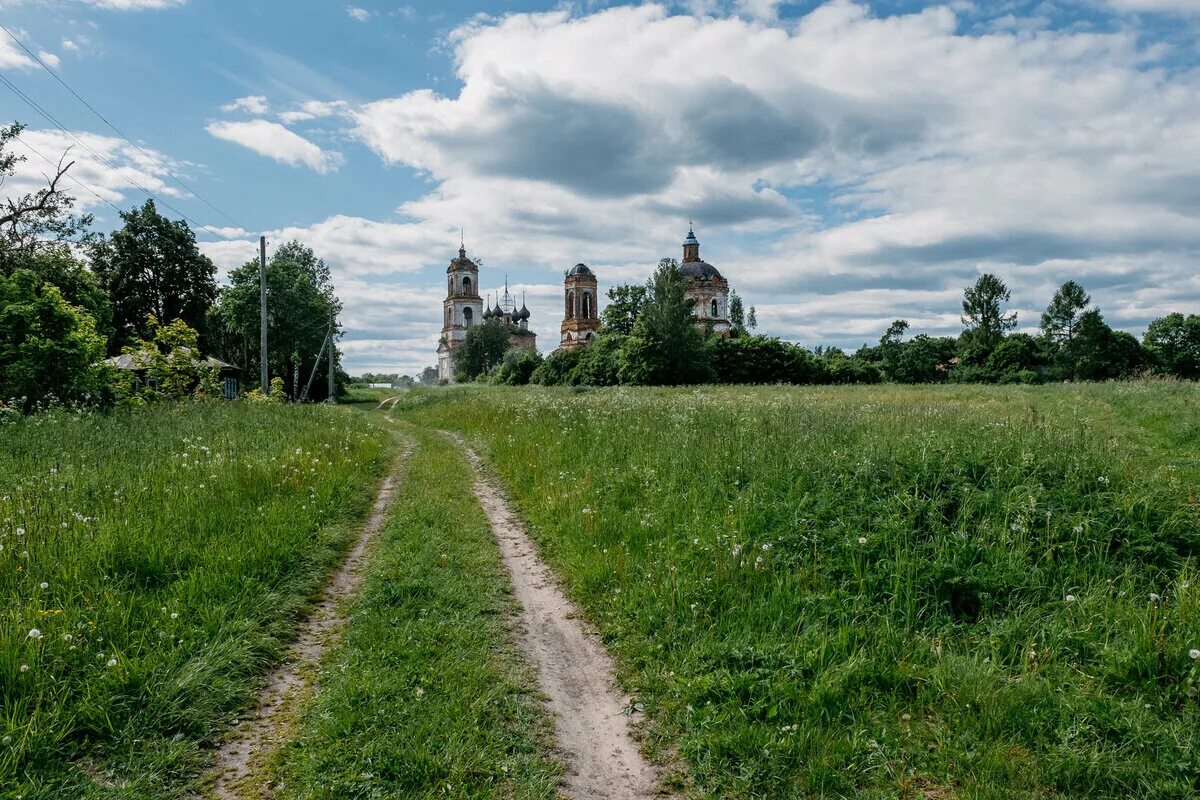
[762,359]
[516,367]
[558,369]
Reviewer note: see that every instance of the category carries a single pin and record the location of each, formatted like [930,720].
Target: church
[464,307]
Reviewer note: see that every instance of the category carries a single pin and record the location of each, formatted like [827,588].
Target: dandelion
[20,531]
[112,662]
[736,551]
[1070,598]
[1154,598]
[1078,529]
[174,615]
[24,668]
[7,740]
[67,637]
[1193,654]
[34,633]
[45,585]
[766,547]
[862,540]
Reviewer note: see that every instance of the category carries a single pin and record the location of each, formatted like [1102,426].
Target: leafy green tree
[482,348]
[1061,317]
[559,368]
[665,348]
[1174,342]
[890,347]
[1098,353]
[625,304]
[300,304]
[428,376]
[762,360]
[737,315]
[984,318]
[752,319]
[1020,358]
[152,267]
[600,362]
[516,367]
[172,363]
[49,349]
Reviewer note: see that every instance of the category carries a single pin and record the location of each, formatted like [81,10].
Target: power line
[119,132]
[53,121]
[51,162]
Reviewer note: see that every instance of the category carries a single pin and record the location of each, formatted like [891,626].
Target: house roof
[140,360]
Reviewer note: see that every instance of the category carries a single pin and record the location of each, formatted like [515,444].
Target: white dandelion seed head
[34,633]
[1070,598]
[112,662]
[1193,654]
[24,668]
[20,531]
[44,585]
[862,540]
[1154,598]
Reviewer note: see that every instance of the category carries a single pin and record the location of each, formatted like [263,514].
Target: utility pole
[262,302]
[332,334]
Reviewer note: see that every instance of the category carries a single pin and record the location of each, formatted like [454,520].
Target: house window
[467,314]
[230,388]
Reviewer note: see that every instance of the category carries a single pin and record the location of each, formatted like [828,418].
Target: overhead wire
[118,131]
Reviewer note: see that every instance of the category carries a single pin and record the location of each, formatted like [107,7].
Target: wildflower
[67,637]
[736,551]
[1154,598]
[862,540]
[1078,529]
[174,615]
[419,692]
[696,540]
[1070,598]
[7,740]
[45,585]
[24,668]
[112,662]
[1193,654]
[34,633]
[20,531]
[766,547]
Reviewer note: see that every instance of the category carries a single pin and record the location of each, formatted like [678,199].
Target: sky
[845,163]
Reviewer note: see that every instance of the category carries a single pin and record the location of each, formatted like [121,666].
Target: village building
[137,365]
[581,319]
[464,308]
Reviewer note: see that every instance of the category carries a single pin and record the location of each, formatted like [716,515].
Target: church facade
[463,308]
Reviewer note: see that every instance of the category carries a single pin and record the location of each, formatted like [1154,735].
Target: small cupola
[691,246]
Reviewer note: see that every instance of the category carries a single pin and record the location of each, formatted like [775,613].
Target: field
[153,564]
[878,592]
[867,592]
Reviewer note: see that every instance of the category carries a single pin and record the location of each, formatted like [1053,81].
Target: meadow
[874,592]
[153,564]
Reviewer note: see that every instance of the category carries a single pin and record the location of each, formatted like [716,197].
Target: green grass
[424,695]
[164,555]
[974,592]
[366,394]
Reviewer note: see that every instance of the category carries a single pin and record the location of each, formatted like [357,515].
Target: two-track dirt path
[265,728]
[575,672]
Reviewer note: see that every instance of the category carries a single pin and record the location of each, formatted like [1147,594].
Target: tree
[482,348]
[890,346]
[559,368]
[1020,358]
[1098,353]
[1174,342]
[1061,317]
[152,267]
[624,306]
[600,362]
[752,319]
[429,376]
[171,360]
[665,348]
[737,316]
[516,367]
[41,217]
[983,316]
[300,305]
[762,359]
[48,347]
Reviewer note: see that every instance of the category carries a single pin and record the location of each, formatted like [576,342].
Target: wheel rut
[265,727]
[575,672]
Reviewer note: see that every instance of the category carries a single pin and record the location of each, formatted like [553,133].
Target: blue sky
[846,163]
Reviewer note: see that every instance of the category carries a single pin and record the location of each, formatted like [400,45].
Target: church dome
[700,269]
[581,269]
[462,262]
[523,313]
[497,311]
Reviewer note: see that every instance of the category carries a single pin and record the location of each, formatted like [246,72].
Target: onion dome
[497,311]
[523,313]
[691,237]
[581,269]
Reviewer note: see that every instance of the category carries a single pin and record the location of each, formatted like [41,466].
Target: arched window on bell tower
[570,305]
[467,313]
[587,305]
[714,314]
[466,284]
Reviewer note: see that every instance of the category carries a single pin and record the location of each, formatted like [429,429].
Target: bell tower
[462,309]
[581,315]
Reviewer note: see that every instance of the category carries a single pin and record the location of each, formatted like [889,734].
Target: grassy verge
[879,592]
[153,563]
[424,696]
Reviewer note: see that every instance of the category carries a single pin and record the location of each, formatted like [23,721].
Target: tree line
[649,337]
[70,296]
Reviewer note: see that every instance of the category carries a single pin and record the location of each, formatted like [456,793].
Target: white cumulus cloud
[277,142]
[251,104]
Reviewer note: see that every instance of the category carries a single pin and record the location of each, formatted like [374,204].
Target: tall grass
[152,564]
[879,592]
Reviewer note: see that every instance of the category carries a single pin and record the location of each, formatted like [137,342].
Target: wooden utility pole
[262,302]
[332,333]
